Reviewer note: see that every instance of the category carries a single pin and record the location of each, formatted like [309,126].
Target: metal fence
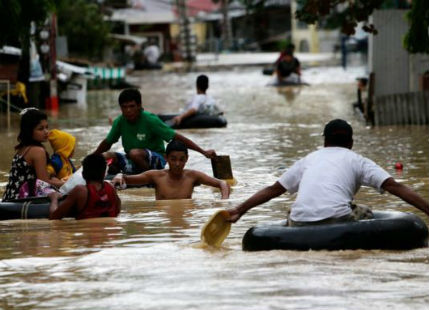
[402,109]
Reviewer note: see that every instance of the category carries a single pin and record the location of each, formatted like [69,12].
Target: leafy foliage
[16,17]
[417,38]
[338,13]
[83,24]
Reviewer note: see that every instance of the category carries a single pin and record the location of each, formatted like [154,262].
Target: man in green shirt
[143,135]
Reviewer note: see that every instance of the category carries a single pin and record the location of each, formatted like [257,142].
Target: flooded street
[149,257]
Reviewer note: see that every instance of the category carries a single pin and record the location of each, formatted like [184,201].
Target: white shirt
[152,54]
[199,102]
[326,181]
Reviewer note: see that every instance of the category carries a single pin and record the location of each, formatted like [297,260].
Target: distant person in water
[327,180]
[174,182]
[97,198]
[143,135]
[287,64]
[200,103]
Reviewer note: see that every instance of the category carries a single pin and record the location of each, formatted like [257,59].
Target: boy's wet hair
[202,82]
[94,167]
[176,145]
[130,94]
[363,80]
[338,133]
[30,118]
[289,49]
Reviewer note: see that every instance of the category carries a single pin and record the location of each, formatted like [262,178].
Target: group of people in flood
[143,136]
[325,180]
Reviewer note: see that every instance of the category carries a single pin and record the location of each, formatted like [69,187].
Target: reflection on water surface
[146,258]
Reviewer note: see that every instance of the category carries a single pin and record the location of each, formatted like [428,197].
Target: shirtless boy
[174,182]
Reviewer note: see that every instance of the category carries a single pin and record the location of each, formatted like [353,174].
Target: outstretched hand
[177,120]
[210,153]
[234,215]
[118,181]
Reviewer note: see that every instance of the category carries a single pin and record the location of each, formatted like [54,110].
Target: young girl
[30,160]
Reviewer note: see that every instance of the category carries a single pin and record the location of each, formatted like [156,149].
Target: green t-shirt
[149,132]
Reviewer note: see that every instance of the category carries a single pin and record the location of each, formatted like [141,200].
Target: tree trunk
[226,26]
[24,62]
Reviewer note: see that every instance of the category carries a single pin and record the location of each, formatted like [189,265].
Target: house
[9,63]
[149,19]
[399,81]
[309,38]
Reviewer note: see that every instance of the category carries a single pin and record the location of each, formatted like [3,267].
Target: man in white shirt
[152,53]
[327,180]
[201,103]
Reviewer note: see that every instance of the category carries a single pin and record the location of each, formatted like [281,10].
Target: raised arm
[137,179]
[406,194]
[203,178]
[193,146]
[260,197]
[104,146]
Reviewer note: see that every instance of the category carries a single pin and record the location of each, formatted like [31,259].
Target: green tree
[83,24]
[417,38]
[16,17]
[338,13]
[15,20]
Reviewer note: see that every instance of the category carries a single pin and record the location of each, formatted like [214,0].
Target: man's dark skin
[131,111]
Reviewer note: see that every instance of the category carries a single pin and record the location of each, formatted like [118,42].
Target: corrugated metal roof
[135,16]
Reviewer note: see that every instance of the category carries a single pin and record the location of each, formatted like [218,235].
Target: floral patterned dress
[20,173]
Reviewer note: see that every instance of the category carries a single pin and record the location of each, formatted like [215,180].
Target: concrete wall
[387,57]
[396,71]
[419,64]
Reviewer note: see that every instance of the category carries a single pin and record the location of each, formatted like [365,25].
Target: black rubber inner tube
[197,121]
[23,210]
[388,230]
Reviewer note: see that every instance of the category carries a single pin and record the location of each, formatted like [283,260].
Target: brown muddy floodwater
[147,258]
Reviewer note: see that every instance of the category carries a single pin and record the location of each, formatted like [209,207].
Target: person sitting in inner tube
[143,135]
[326,181]
[176,182]
[98,198]
[201,103]
[28,176]
[287,64]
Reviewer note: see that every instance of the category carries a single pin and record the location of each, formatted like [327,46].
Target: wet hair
[338,133]
[30,118]
[176,145]
[202,82]
[94,167]
[364,81]
[130,94]
[289,49]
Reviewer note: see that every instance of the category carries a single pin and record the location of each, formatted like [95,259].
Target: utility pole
[53,100]
[226,25]
[187,40]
